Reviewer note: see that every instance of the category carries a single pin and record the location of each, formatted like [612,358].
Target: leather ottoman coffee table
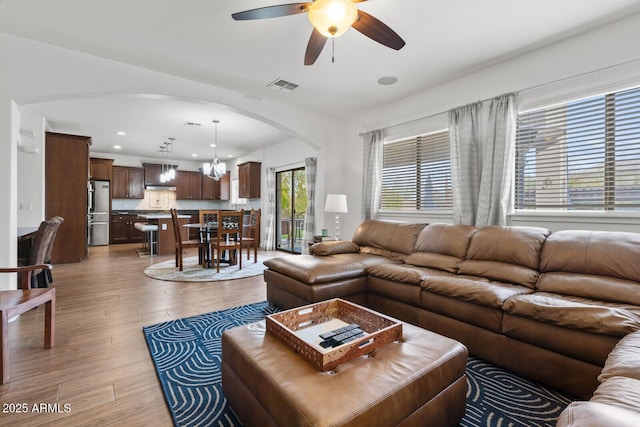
[417,381]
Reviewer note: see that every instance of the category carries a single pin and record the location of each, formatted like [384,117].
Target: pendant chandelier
[168,171]
[215,169]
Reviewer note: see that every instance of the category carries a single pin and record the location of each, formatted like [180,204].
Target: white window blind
[416,173]
[582,155]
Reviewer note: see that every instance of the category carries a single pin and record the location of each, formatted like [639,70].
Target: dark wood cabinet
[216,190]
[101,169]
[66,193]
[127,183]
[123,230]
[152,172]
[249,180]
[225,186]
[188,185]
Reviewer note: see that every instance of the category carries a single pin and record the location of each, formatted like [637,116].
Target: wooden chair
[181,245]
[47,277]
[15,302]
[207,215]
[228,237]
[251,234]
[41,243]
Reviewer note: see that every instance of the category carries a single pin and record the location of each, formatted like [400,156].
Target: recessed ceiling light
[194,155]
[212,145]
[117,147]
[121,133]
[229,155]
[387,80]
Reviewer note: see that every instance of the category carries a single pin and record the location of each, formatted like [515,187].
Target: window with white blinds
[416,173]
[582,155]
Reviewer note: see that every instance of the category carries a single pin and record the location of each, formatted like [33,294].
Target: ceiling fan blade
[378,31]
[314,47]
[272,11]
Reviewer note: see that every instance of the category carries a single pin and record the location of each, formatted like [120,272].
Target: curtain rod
[538,86]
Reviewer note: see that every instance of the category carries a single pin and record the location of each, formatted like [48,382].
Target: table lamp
[336,203]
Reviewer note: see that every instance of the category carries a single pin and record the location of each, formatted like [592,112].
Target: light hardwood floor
[100,367]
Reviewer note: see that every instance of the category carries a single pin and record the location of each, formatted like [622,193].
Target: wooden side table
[14,303]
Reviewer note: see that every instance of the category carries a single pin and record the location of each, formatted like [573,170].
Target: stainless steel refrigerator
[98,214]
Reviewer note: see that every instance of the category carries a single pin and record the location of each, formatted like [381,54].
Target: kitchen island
[165,237]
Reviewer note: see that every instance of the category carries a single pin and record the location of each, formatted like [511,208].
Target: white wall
[31,171]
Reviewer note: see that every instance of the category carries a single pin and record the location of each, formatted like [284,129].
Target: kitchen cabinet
[152,172]
[128,183]
[188,185]
[216,190]
[101,169]
[249,180]
[123,230]
[66,193]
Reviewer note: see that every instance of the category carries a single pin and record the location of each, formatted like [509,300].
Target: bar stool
[149,230]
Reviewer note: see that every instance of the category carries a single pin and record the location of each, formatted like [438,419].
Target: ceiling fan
[330,18]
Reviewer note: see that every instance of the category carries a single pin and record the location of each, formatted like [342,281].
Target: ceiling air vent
[192,124]
[282,85]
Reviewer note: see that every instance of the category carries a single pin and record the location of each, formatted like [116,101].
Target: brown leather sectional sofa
[550,306]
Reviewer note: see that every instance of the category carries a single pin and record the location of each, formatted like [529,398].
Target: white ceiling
[198,40]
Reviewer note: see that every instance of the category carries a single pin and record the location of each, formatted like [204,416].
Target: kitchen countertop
[161,216]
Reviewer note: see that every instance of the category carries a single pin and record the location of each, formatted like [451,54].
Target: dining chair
[15,302]
[251,234]
[42,240]
[229,237]
[47,277]
[181,245]
[207,215]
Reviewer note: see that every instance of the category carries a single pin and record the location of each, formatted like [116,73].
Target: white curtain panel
[498,162]
[270,218]
[310,167]
[482,160]
[372,173]
[464,136]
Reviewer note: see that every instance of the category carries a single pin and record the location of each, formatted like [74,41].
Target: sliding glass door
[291,204]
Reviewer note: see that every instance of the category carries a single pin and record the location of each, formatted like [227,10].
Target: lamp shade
[332,17]
[336,203]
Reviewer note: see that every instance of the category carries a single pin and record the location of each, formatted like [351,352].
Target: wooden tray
[299,328]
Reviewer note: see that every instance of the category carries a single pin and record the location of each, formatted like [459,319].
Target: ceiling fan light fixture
[332,18]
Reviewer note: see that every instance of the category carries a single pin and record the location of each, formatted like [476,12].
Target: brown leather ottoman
[419,381]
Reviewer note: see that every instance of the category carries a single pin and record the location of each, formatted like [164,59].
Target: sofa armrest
[334,247]
[592,414]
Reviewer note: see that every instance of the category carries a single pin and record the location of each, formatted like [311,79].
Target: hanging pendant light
[216,169]
[171,173]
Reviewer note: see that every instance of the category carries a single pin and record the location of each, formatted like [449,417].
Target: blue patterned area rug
[187,355]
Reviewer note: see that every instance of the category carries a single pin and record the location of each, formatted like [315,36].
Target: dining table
[207,233]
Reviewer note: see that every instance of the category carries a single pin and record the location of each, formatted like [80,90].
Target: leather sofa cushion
[501,271]
[602,253]
[624,359]
[511,245]
[446,239]
[331,248]
[512,254]
[312,269]
[600,288]
[403,273]
[622,392]
[390,236]
[592,414]
[432,260]
[370,250]
[576,313]
[489,294]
